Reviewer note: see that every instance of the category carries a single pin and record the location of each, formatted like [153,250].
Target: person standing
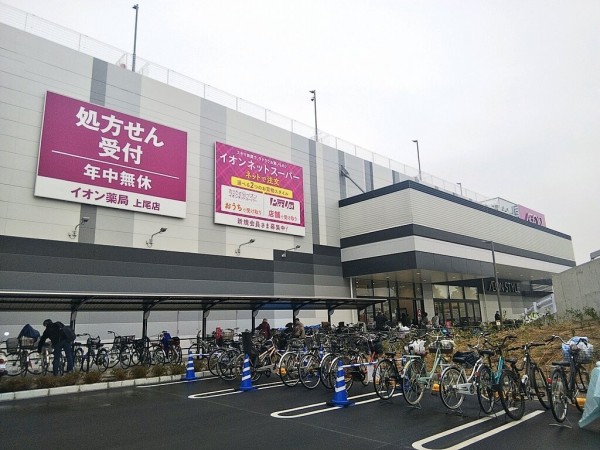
[54,332]
[264,329]
[298,331]
[379,321]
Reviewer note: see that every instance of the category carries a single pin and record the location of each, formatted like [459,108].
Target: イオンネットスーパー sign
[257,191]
[95,155]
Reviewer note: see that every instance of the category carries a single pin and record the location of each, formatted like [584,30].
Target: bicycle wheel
[114,356]
[511,395]
[309,371]
[195,350]
[558,395]
[385,379]
[348,372]
[213,359]
[46,361]
[486,395]
[412,387]
[361,373]
[34,363]
[79,361]
[158,356]
[125,358]
[449,392]
[13,365]
[102,359]
[540,387]
[229,365]
[582,381]
[288,369]
[325,367]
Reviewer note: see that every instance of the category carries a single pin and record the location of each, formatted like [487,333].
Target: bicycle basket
[445,345]
[467,358]
[93,342]
[228,335]
[12,345]
[416,347]
[581,348]
[27,342]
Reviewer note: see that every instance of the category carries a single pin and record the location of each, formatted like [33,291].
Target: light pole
[136,7]
[314,99]
[496,278]
[418,158]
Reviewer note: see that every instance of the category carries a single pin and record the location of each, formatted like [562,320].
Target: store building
[126,194]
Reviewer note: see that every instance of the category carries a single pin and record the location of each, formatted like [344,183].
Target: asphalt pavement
[212,414]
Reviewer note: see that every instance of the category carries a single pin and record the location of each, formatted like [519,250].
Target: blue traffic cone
[246,376]
[340,397]
[190,373]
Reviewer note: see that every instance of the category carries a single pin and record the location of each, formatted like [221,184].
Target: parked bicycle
[463,377]
[93,354]
[533,381]
[202,347]
[502,383]
[417,378]
[121,352]
[569,380]
[22,357]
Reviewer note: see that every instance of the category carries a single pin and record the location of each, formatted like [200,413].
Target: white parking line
[420,445]
[323,405]
[232,391]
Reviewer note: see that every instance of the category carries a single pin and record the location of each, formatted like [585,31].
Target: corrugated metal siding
[444,215]
[380,213]
[410,206]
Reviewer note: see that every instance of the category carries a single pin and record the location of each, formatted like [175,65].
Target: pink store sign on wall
[95,155]
[532,216]
[257,191]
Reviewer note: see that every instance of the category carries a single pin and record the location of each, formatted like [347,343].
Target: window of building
[471,293]
[381,288]
[406,290]
[363,288]
[456,292]
[440,291]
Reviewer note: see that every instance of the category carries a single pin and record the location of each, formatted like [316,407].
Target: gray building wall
[578,287]
[195,255]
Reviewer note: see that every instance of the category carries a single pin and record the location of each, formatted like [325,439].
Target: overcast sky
[503,96]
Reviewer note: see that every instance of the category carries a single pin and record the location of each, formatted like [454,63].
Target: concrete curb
[104,385]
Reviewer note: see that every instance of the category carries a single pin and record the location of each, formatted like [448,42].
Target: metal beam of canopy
[95,301]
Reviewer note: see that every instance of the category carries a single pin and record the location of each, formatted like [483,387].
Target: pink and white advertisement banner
[532,216]
[98,156]
[257,191]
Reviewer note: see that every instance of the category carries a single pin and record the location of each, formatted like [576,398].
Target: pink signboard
[532,216]
[257,191]
[94,155]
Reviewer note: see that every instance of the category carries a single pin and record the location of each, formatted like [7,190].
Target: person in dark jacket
[54,332]
[380,321]
[265,329]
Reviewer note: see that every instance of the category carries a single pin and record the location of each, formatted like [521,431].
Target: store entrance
[462,313]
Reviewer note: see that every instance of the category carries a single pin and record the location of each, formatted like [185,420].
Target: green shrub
[119,373]
[200,365]
[47,381]
[92,377]
[178,369]
[139,372]
[158,370]
[13,384]
[591,312]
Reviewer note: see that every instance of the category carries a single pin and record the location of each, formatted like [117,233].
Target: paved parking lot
[210,413]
